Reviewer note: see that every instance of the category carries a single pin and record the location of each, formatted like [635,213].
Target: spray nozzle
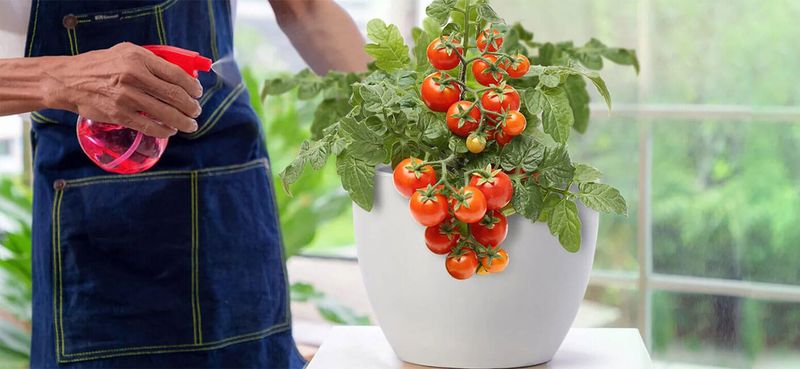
[189,61]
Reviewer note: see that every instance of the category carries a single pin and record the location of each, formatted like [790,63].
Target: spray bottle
[119,149]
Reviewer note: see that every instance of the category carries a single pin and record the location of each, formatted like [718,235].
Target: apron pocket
[122,265]
[169,261]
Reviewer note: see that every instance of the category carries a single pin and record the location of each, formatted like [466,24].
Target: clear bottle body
[118,149]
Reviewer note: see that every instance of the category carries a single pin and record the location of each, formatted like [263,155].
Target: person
[180,266]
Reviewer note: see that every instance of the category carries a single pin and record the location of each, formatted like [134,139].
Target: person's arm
[111,85]
[323,33]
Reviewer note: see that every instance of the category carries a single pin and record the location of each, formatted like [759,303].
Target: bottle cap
[189,61]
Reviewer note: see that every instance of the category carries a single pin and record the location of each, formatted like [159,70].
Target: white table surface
[584,348]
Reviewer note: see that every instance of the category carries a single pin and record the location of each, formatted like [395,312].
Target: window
[703,144]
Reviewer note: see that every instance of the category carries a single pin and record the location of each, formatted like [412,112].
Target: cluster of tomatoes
[465,223]
[498,104]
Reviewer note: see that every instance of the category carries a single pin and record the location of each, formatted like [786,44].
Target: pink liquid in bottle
[118,149]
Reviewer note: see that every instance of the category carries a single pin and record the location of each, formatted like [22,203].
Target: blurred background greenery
[716,104]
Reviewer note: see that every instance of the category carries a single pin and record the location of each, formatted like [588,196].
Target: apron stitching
[220,111]
[197,260]
[38,117]
[75,37]
[60,266]
[33,33]
[56,272]
[172,174]
[158,28]
[163,28]
[128,14]
[213,30]
[71,44]
[193,205]
[181,348]
[211,91]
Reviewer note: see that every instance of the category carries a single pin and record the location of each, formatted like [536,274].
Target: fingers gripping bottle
[119,149]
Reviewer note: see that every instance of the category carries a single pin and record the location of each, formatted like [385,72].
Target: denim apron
[180,266]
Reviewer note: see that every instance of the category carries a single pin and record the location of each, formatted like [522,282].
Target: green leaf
[309,84]
[488,14]
[600,85]
[457,145]
[421,41]
[585,173]
[278,86]
[440,10]
[311,152]
[388,47]
[365,144]
[329,111]
[432,128]
[575,88]
[523,152]
[337,313]
[603,198]
[550,202]
[528,201]
[565,224]
[556,168]
[557,118]
[534,102]
[622,57]
[357,179]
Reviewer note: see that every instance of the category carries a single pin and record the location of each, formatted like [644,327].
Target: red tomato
[441,238]
[497,264]
[407,180]
[437,96]
[462,265]
[483,39]
[499,102]
[428,210]
[515,123]
[469,205]
[491,231]
[497,188]
[442,57]
[518,67]
[486,73]
[503,139]
[459,121]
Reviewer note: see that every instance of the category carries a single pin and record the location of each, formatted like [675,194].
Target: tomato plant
[439,91]
[410,175]
[441,238]
[491,231]
[453,114]
[462,264]
[494,262]
[487,71]
[462,118]
[443,56]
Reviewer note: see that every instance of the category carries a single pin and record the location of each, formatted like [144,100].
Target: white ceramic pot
[515,318]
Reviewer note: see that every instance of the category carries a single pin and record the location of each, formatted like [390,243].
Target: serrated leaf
[364,144]
[488,14]
[557,118]
[575,87]
[329,111]
[314,153]
[556,168]
[432,128]
[586,173]
[458,145]
[528,201]
[550,80]
[440,10]
[357,179]
[523,152]
[550,201]
[603,198]
[388,47]
[565,225]
[533,101]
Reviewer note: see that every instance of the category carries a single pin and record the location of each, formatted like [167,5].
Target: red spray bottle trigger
[119,149]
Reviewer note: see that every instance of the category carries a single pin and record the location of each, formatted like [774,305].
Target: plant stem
[463,76]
